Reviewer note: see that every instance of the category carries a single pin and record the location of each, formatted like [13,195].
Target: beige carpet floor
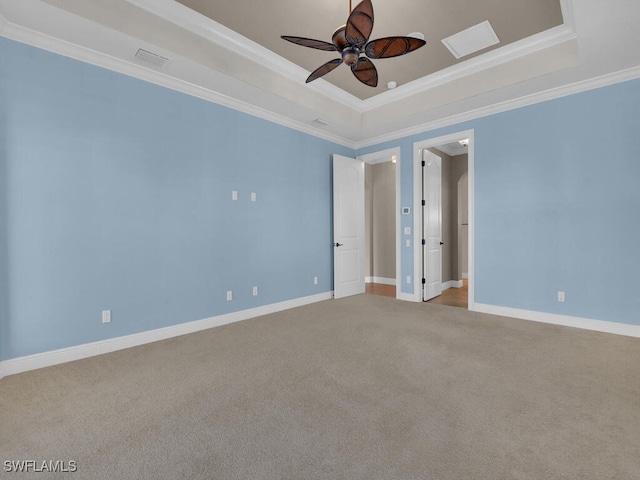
[359,388]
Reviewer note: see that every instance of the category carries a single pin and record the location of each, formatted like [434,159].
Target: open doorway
[381,222]
[443,223]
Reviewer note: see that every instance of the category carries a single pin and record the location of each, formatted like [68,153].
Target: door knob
[338,244]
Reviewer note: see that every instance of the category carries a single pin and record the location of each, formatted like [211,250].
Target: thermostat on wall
[406,210]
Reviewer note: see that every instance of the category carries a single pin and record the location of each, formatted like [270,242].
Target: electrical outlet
[561,296]
[408,279]
[229,295]
[255,291]
[315,280]
[407,230]
[408,242]
[253,196]
[106,316]
[234,195]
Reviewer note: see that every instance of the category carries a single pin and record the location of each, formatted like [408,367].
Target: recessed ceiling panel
[265,21]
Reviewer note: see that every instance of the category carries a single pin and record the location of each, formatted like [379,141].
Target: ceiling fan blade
[360,23]
[366,72]
[324,69]
[392,46]
[310,42]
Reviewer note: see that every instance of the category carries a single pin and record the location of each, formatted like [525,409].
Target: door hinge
[424,280]
[424,203]
[424,242]
[424,163]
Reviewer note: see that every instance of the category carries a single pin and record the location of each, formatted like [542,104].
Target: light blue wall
[557,200]
[118,196]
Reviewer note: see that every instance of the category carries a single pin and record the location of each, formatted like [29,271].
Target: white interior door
[348,226]
[431,225]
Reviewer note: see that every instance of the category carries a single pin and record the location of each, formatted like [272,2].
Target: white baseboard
[564,320]
[69,354]
[452,284]
[382,280]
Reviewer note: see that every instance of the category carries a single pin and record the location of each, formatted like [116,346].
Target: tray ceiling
[264,21]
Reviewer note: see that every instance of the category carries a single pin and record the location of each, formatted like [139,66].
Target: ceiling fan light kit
[352,40]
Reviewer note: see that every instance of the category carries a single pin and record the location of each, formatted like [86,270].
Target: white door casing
[348,226]
[418,148]
[431,225]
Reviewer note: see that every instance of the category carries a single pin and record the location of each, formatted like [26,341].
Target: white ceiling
[598,40]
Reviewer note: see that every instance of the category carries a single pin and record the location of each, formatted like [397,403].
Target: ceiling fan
[352,39]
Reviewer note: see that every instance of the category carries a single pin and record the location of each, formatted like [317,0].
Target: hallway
[453,297]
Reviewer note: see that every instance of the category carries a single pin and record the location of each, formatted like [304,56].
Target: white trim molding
[84,54]
[217,33]
[3,23]
[564,320]
[379,157]
[180,15]
[606,80]
[451,284]
[417,205]
[194,22]
[381,280]
[526,46]
[78,352]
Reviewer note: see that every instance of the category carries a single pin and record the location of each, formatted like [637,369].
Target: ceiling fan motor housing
[350,55]
[350,52]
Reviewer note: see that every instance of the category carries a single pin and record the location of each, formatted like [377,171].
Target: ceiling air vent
[471,40]
[321,122]
[151,58]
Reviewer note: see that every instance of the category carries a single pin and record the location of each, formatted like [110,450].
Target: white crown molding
[62,47]
[567,14]
[3,23]
[632,73]
[183,16]
[84,54]
[63,355]
[564,320]
[496,57]
[217,33]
